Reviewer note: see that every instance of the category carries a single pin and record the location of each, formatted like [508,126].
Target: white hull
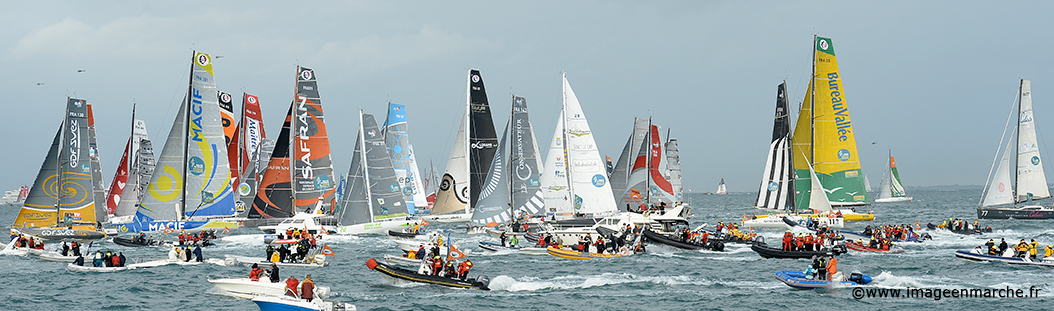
[776,221]
[401,261]
[246,288]
[414,245]
[55,256]
[379,227]
[301,221]
[76,268]
[448,218]
[320,261]
[894,199]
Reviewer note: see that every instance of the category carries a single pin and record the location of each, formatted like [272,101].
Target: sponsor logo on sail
[534,182]
[482,145]
[225,97]
[196,165]
[85,168]
[599,180]
[843,154]
[244,189]
[323,182]
[408,191]
[773,186]
[394,187]
[1035,160]
[203,59]
[305,75]
[475,78]
[824,45]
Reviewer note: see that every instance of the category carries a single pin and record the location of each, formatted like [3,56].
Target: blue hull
[797,279]
[278,306]
[161,226]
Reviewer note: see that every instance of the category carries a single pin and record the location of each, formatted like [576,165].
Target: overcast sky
[933,81]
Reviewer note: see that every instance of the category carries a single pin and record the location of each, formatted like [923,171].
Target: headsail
[98,187]
[453,193]
[355,205]
[386,198]
[624,165]
[555,189]
[137,165]
[673,168]
[495,199]
[274,198]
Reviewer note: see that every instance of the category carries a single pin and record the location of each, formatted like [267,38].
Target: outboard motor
[718,246]
[483,279]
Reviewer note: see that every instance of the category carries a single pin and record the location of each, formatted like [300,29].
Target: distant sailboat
[1029,182]
[721,188]
[867,185]
[673,168]
[891,190]
[133,174]
[192,184]
[372,201]
[470,158]
[397,138]
[61,203]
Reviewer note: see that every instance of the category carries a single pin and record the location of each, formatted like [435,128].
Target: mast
[365,168]
[186,140]
[1017,138]
[58,168]
[647,166]
[567,162]
[468,140]
[812,117]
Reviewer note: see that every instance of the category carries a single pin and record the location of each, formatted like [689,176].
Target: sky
[932,81]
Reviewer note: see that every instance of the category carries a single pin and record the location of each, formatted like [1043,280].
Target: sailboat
[191,186]
[1029,183]
[61,203]
[673,168]
[574,180]
[721,188]
[397,138]
[244,151]
[867,184]
[624,165]
[431,186]
[299,176]
[892,190]
[777,192]
[512,189]
[133,174]
[470,158]
[98,186]
[647,183]
[373,200]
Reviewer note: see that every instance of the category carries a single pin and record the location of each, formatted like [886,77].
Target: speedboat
[798,279]
[309,221]
[286,303]
[247,288]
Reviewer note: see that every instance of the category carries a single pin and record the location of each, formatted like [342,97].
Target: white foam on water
[506,283]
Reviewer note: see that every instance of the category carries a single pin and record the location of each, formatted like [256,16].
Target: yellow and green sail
[824,135]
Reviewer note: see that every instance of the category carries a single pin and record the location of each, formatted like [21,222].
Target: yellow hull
[570,254]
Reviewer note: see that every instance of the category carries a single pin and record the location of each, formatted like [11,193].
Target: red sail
[657,177]
[120,179]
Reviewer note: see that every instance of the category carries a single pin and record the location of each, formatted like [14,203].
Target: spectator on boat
[270,250]
[867,230]
[1032,248]
[76,247]
[291,285]
[79,261]
[114,261]
[197,254]
[821,271]
[503,237]
[421,251]
[808,242]
[463,268]
[121,255]
[417,228]
[788,241]
[307,288]
[1049,251]
[990,244]
[450,267]
[254,274]
[662,208]
[65,249]
[273,273]
[993,251]
[1002,245]
[283,252]
[107,260]
[1022,249]
[186,254]
[514,242]
[832,267]
[799,243]
[97,261]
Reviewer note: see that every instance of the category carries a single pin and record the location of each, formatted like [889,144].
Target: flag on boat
[454,253]
[328,251]
[226,230]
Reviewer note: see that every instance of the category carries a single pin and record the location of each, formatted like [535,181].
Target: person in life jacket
[254,274]
[463,268]
[818,243]
[788,241]
[307,288]
[1022,248]
[821,270]
[450,268]
[1032,248]
[1049,251]
[832,267]
[437,265]
[800,243]
[291,285]
[808,242]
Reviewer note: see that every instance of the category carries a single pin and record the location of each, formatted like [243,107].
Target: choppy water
[663,279]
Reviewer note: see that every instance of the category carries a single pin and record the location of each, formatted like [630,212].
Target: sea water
[662,279]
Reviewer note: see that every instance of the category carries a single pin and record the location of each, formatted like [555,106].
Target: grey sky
[934,81]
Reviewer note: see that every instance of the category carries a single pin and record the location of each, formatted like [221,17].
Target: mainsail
[891,185]
[647,183]
[299,176]
[98,187]
[63,186]
[777,185]
[512,186]
[133,174]
[243,152]
[620,174]
[193,180]
[373,192]
[555,189]
[721,189]
[471,156]
[824,135]
[673,168]
[398,140]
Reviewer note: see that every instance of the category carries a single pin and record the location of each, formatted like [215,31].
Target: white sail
[884,191]
[673,168]
[555,190]
[1000,189]
[867,184]
[453,194]
[590,191]
[721,187]
[1031,182]
[818,198]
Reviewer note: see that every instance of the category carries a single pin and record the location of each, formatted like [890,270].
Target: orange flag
[454,253]
[226,230]
[328,251]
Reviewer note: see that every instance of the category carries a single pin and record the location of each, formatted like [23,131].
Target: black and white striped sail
[512,186]
[777,183]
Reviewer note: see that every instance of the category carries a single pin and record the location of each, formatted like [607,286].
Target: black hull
[401,234]
[662,239]
[480,282]
[769,252]
[64,234]
[1003,213]
[132,243]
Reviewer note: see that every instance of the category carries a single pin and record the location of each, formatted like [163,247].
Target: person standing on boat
[1032,248]
[832,267]
[65,249]
[1049,251]
[514,242]
[421,252]
[307,289]
[502,238]
[1022,249]
[197,254]
[788,240]
[291,287]
[76,247]
[254,274]
[463,268]
[808,242]
[821,270]
[1002,245]
[273,273]
[990,244]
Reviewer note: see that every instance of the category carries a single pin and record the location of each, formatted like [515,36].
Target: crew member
[464,267]
[307,288]
[291,286]
[1032,248]
[254,275]
[273,273]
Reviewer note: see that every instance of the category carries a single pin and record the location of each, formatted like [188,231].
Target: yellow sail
[801,142]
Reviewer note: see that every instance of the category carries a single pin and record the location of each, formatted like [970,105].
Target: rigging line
[1013,106]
